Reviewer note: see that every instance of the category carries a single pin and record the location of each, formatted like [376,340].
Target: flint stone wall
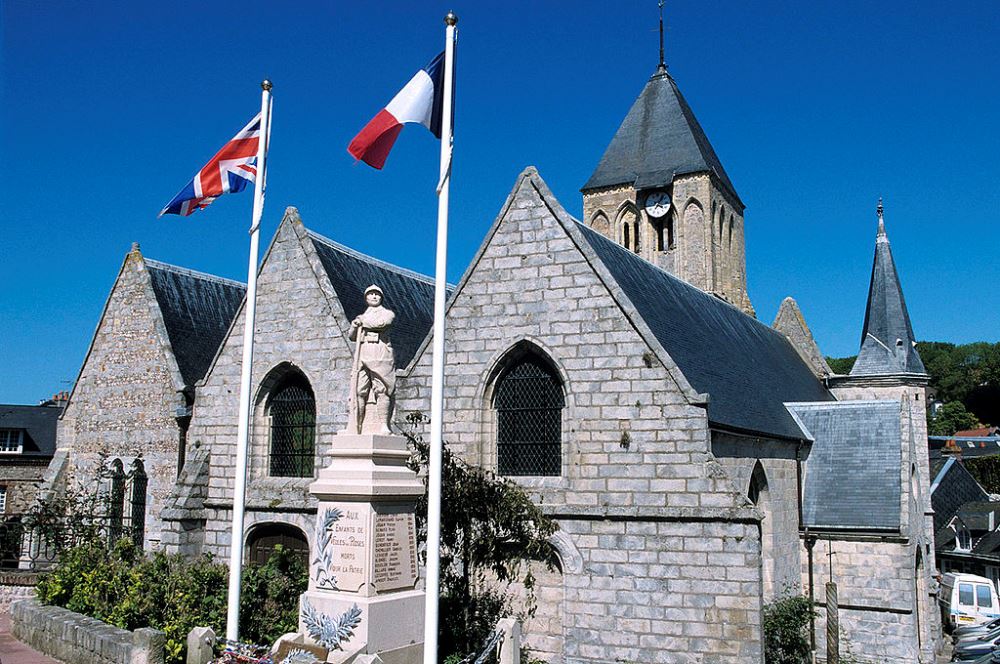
[71,637]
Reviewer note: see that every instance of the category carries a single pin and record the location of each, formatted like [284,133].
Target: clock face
[657,203]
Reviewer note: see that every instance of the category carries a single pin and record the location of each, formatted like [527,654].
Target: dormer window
[11,441]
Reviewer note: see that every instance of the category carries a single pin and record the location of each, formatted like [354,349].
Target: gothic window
[292,412]
[731,220]
[138,481]
[599,222]
[116,501]
[760,495]
[626,235]
[528,400]
[263,539]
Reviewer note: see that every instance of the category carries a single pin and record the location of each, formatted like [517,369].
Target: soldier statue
[374,365]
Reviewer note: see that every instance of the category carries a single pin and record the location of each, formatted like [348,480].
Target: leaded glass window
[292,410]
[529,400]
[137,502]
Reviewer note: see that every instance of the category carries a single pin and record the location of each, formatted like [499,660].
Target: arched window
[137,501]
[263,538]
[528,400]
[760,495]
[731,221]
[291,409]
[116,500]
[626,235]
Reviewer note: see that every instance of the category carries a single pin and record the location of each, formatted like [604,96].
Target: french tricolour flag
[419,101]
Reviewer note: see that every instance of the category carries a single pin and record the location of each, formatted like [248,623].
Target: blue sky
[815,109]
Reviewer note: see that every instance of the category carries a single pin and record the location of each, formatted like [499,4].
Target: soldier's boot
[383,410]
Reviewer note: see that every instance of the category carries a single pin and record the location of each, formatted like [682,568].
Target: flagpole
[433,583]
[242,436]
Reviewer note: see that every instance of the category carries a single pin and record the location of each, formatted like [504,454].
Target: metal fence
[32,543]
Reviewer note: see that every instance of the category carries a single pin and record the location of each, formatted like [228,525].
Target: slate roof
[887,339]
[39,426]
[408,294]
[659,138]
[748,369]
[852,474]
[952,486]
[197,310]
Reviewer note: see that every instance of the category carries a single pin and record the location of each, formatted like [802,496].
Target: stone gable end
[299,326]
[124,401]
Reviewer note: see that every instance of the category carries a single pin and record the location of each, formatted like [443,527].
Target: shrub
[786,630]
[174,594]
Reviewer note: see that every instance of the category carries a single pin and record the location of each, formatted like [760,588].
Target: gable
[952,487]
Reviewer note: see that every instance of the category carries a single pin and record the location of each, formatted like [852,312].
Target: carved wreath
[327,631]
[324,556]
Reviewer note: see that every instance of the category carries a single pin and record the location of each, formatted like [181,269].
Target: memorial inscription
[395,552]
[349,547]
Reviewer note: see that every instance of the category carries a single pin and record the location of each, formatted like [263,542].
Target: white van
[967,599]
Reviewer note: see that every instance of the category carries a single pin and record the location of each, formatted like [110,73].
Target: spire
[659,139]
[887,343]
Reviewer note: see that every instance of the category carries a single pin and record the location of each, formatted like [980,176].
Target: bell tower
[661,191]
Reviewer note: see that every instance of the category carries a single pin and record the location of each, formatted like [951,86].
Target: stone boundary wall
[72,637]
[16,585]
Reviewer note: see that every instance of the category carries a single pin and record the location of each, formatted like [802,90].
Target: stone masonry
[669,549]
[300,327]
[124,401]
[709,246]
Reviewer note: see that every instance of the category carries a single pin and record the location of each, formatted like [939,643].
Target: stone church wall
[668,550]
[297,329]
[125,399]
[780,528]
[875,588]
[917,520]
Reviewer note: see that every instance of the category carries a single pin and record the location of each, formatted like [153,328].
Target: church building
[699,462]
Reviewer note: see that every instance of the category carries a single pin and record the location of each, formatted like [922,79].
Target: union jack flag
[229,171]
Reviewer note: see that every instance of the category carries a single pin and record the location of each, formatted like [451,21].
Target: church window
[635,234]
[116,501]
[138,481]
[731,232]
[528,401]
[292,412]
[626,232]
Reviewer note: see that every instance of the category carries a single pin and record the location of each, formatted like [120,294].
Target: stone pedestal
[363,562]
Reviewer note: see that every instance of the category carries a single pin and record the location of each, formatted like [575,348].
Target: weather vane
[662,63]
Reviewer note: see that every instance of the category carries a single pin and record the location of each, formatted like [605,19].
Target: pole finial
[266,84]
[881,222]
[450,19]
[662,66]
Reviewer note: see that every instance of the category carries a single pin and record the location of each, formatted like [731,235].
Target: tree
[483,550]
[786,630]
[951,417]
[841,365]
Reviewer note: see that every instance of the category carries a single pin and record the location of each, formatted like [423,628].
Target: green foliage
[171,593]
[786,630]
[841,365]
[951,417]
[969,373]
[986,470]
[486,546]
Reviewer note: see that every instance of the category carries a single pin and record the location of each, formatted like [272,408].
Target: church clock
[657,204]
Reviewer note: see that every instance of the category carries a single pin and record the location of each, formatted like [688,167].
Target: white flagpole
[433,584]
[242,436]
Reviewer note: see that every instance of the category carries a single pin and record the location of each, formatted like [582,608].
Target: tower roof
[659,138]
[887,343]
